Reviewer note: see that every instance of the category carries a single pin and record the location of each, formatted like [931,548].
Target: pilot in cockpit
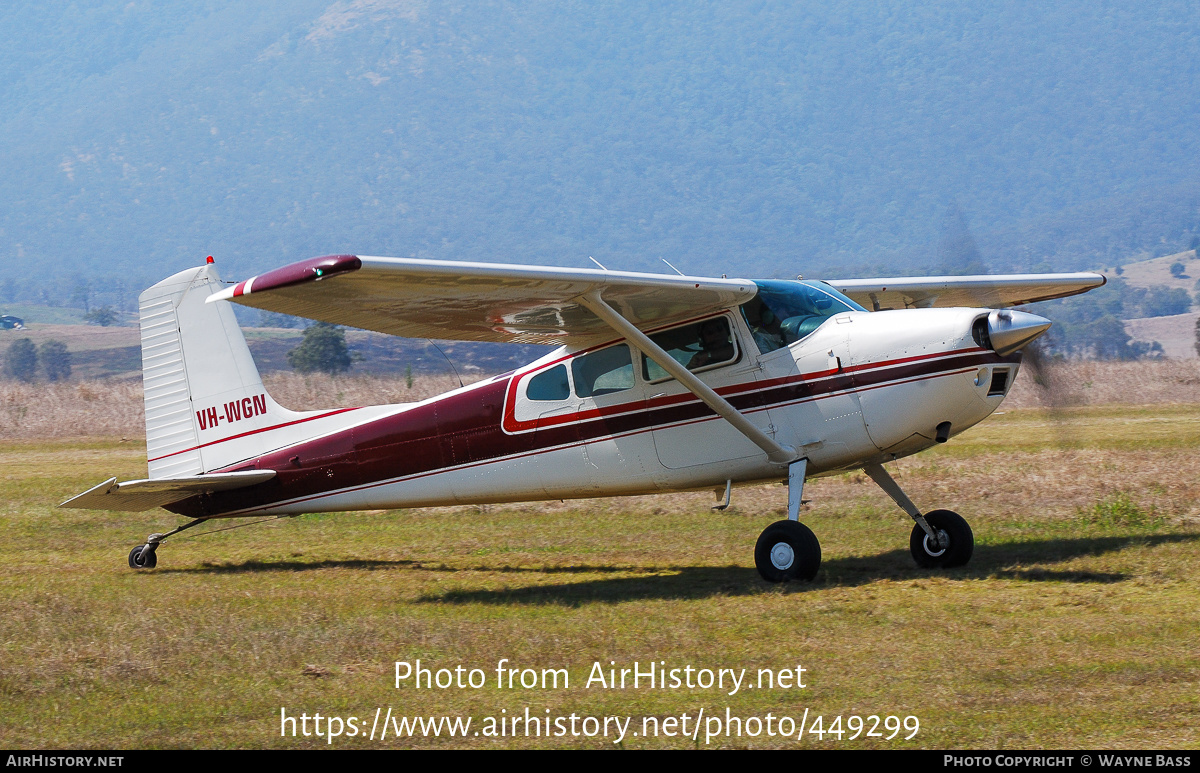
[715,345]
[764,326]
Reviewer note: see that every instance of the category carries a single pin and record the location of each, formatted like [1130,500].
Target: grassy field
[1075,624]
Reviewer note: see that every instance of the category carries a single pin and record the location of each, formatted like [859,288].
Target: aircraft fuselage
[860,389]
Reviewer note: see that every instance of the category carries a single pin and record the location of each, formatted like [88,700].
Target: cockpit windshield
[784,312]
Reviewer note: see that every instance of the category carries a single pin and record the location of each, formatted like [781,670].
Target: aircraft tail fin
[206,407]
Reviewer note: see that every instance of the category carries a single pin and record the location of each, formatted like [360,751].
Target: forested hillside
[762,138]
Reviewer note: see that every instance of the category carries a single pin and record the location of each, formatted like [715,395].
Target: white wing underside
[490,302]
[989,291]
[535,304]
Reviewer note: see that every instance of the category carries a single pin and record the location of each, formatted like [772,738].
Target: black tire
[140,560]
[787,550]
[957,553]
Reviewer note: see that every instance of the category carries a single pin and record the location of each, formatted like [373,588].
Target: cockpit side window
[698,347]
[785,312]
[764,326]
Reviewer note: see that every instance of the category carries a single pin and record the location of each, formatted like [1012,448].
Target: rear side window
[549,385]
[603,372]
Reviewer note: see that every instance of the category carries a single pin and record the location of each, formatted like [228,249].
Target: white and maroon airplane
[661,383]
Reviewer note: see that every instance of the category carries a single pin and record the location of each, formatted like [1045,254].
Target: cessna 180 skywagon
[661,383]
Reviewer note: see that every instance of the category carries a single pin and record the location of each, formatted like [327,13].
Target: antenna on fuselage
[598,263]
[448,361]
[677,271]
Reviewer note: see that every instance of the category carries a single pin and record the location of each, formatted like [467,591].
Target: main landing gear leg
[146,556]
[788,550]
[941,539]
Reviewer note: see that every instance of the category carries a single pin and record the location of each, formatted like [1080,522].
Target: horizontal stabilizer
[137,495]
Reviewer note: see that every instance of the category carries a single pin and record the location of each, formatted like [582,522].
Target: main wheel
[787,550]
[956,553]
[143,559]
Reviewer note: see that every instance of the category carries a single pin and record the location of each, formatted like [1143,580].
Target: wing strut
[777,453]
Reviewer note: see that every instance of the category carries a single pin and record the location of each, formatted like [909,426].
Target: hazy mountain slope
[764,138]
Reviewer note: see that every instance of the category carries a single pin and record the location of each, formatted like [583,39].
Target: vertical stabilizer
[206,407]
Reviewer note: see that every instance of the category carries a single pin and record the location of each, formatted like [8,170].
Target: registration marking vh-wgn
[235,410]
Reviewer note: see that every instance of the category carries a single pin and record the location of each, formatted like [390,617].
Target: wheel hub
[782,555]
[939,547]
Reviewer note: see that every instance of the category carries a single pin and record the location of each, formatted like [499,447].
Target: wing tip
[223,295]
[101,489]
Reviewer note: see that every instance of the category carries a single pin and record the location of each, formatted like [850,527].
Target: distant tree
[82,295]
[274,319]
[323,349]
[20,362]
[1107,340]
[1162,301]
[103,316]
[1177,270]
[56,360]
[1146,350]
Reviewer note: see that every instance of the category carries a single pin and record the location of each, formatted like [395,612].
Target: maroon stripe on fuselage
[258,431]
[465,428]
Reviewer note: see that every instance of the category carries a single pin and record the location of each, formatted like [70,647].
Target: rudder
[204,397]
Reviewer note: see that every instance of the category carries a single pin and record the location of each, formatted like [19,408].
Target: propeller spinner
[1010,330]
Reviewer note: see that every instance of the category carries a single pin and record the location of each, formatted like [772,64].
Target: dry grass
[72,409]
[304,393]
[1142,382]
[106,408]
[1065,631]
[79,338]
[1080,603]
[1176,333]
[1074,625]
[1157,271]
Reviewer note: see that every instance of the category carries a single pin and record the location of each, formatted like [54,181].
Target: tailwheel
[787,550]
[143,557]
[146,556]
[954,544]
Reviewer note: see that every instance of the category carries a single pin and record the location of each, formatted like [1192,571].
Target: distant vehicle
[662,383]
[9,322]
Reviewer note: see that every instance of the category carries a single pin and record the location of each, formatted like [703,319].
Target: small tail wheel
[141,558]
[787,550]
[956,542]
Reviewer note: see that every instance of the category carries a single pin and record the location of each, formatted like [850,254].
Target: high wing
[989,291]
[478,301]
[535,304]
